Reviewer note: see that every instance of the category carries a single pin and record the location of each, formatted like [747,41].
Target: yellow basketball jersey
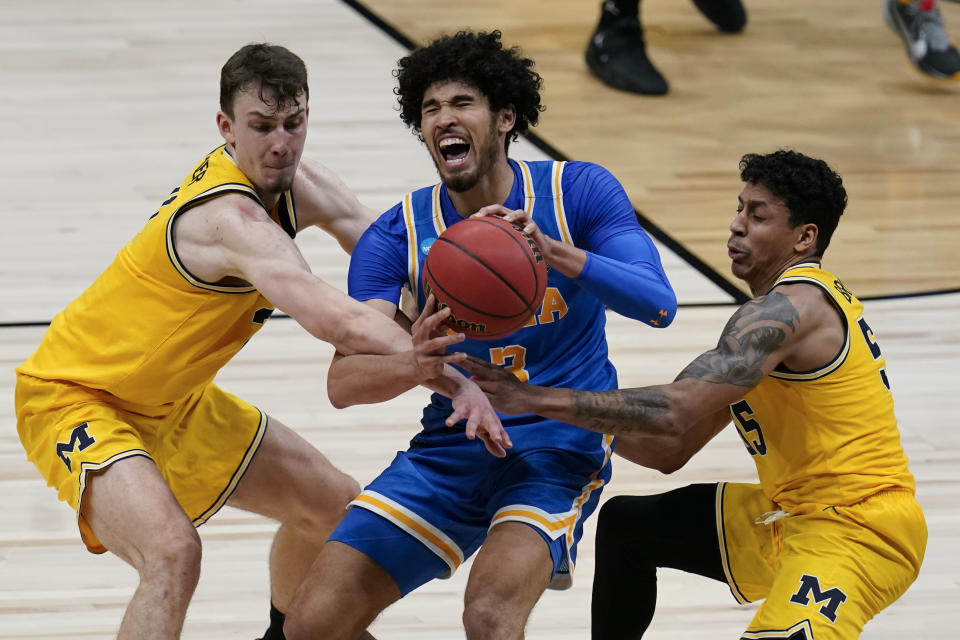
[146,330]
[827,436]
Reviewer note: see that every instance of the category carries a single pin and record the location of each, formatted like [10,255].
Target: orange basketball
[490,274]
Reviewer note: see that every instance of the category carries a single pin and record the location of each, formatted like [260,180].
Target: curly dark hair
[812,191]
[272,67]
[478,60]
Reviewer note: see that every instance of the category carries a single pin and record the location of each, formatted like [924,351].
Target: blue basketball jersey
[564,344]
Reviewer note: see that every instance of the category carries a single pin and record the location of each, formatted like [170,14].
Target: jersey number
[874,348]
[748,428]
[513,358]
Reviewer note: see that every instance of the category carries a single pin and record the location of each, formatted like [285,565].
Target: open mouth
[454,151]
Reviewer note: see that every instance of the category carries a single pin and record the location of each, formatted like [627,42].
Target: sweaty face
[762,242]
[464,137]
[266,142]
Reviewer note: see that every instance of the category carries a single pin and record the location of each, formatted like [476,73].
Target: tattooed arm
[663,426]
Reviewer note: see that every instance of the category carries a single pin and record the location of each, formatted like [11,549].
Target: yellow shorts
[823,570]
[201,445]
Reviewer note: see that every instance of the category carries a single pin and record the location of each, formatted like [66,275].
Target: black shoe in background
[617,55]
[728,15]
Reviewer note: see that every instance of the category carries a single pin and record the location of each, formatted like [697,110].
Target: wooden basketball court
[108,104]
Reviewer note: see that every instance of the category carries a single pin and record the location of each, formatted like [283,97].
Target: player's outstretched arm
[349,378]
[365,379]
[663,426]
[324,201]
[232,237]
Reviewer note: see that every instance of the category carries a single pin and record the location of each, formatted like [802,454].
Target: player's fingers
[495,443]
[483,364]
[487,386]
[514,216]
[434,318]
[471,428]
[491,210]
[455,417]
[473,369]
[445,340]
[431,317]
[429,307]
[492,446]
[481,368]
[504,436]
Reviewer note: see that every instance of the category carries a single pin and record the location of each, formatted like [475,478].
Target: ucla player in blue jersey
[446,497]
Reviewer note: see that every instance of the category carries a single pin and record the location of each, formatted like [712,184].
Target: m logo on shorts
[261,315]
[810,585]
[79,440]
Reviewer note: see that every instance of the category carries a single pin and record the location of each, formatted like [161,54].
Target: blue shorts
[432,507]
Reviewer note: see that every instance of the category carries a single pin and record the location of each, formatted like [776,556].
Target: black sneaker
[929,48]
[618,56]
[728,15]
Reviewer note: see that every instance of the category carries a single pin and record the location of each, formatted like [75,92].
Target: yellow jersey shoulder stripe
[198,199]
[839,359]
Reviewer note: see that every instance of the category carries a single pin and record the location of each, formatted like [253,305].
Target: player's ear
[225,126]
[806,238]
[506,118]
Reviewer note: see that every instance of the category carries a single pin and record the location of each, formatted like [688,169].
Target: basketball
[490,274]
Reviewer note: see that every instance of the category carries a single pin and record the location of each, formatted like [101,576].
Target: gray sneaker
[928,46]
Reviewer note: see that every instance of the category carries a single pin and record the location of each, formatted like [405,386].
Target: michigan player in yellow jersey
[117,407]
[832,532]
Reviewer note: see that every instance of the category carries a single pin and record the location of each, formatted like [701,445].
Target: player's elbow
[335,393]
[672,455]
[671,462]
[348,332]
[674,450]
[666,311]
[664,454]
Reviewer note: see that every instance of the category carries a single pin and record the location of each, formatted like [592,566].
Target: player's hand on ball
[504,390]
[519,219]
[470,404]
[431,339]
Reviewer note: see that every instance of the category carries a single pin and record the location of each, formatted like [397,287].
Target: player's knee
[327,503]
[349,488]
[175,557]
[294,627]
[340,489]
[482,617]
[616,518]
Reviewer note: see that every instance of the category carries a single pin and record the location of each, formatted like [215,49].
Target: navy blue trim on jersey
[174,257]
[286,214]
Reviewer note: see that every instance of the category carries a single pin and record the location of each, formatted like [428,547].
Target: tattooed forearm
[620,412]
[754,332]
